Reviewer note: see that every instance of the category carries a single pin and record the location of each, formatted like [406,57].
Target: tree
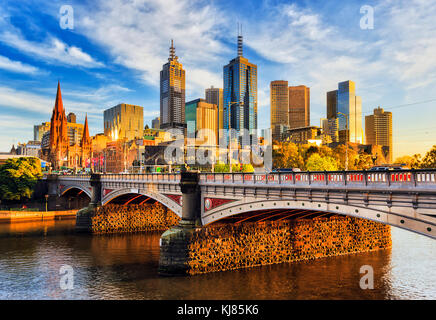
[221,167]
[429,161]
[18,178]
[410,161]
[319,163]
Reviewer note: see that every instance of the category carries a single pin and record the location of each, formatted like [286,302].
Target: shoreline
[13,216]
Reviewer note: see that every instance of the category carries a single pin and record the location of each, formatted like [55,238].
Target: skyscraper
[279,100]
[172,93]
[215,96]
[240,98]
[332,104]
[299,106]
[349,113]
[378,130]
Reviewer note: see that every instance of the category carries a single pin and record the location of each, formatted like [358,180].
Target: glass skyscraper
[240,99]
[350,105]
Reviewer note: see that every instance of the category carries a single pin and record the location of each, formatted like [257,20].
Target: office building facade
[124,121]
[299,106]
[279,102]
[240,99]
[172,93]
[378,130]
[215,96]
[349,113]
[201,115]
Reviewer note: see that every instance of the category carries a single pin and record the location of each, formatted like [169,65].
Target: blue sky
[117,48]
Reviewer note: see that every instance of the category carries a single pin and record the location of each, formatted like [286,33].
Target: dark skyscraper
[240,97]
[172,93]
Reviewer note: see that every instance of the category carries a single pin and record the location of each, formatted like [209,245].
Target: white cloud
[51,50]
[137,35]
[17,66]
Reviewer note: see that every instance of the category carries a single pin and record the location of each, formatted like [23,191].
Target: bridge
[404,199]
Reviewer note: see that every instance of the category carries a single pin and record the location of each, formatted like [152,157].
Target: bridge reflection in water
[125,267]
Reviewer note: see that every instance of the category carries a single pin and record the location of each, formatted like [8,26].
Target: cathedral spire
[85,137]
[59,107]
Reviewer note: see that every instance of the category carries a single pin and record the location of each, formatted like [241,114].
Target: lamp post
[346,139]
[229,146]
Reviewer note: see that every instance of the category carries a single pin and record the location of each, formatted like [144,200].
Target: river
[125,267]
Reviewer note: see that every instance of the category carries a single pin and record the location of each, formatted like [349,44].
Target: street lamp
[229,132]
[346,139]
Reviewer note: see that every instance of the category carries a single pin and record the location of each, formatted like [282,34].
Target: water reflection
[125,267]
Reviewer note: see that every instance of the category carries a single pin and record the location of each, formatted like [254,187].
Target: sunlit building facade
[299,106]
[378,130]
[279,101]
[349,113]
[215,96]
[201,115]
[172,93]
[124,121]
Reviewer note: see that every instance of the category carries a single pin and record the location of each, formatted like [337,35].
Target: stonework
[245,245]
[114,218]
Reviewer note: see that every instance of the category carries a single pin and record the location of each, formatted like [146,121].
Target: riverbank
[12,216]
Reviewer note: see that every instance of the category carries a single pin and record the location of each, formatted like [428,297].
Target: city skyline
[98,73]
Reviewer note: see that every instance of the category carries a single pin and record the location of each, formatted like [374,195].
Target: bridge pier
[83,216]
[174,243]
[53,202]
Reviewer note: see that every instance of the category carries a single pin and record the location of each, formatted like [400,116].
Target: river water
[125,267]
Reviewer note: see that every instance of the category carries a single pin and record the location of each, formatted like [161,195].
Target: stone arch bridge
[404,199]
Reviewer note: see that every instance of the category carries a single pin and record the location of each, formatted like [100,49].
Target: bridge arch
[166,201]
[80,188]
[299,208]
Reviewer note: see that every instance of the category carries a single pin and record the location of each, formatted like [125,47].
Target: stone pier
[175,243]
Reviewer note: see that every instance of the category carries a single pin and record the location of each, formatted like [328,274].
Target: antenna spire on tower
[239,40]
[172,50]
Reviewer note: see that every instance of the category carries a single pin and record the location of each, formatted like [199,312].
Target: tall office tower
[279,101]
[350,105]
[378,130]
[240,98]
[215,96]
[172,93]
[124,121]
[299,107]
[155,123]
[332,104]
[202,115]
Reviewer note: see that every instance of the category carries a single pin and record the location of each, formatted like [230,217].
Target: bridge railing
[334,178]
[147,177]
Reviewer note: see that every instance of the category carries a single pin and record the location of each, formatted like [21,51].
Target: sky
[115,50]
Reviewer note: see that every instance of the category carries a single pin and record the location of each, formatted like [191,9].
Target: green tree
[221,167]
[318,163]
[18,178]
